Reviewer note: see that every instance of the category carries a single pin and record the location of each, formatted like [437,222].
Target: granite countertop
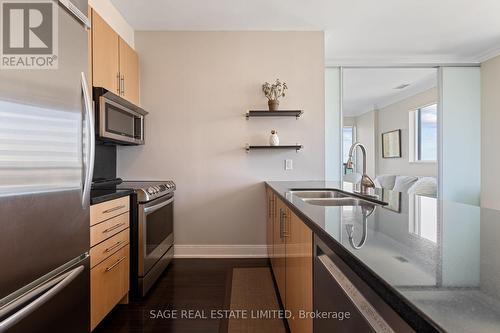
[435,262]
[101,195]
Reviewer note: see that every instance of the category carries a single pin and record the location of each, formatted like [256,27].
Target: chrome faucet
[366,181]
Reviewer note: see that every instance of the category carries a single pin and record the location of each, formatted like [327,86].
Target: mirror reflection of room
[393,113]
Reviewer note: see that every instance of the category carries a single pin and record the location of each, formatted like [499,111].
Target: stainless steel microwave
[117,120]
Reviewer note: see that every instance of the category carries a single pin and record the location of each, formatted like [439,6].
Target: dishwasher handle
[374,319]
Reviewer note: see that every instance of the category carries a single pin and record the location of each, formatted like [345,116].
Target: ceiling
[356,31]
[366,89]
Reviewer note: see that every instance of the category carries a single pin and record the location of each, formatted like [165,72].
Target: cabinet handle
[115,264]
[113,209]
[116,226]
[270,207]
[285,227]
[122,80]
[281,223]
[118,83]
[113,247]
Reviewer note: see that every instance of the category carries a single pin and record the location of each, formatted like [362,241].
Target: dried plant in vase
[274,92]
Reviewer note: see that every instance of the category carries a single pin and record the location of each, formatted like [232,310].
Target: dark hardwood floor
[188,284]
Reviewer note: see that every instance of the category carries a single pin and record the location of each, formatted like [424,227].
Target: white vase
[274,140]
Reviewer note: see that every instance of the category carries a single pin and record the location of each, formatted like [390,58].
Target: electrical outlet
[288,165]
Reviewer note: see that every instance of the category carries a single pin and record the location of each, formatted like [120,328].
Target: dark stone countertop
[98,196]
[435,262]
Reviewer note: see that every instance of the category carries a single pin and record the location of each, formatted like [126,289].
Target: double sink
[334,197]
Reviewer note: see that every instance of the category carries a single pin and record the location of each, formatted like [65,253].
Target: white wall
[197,87]
[113,17]
[490,125]
[396,116]
[333,133]
[365,133]
[460,134]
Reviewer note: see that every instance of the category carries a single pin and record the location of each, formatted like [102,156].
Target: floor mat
[253,292]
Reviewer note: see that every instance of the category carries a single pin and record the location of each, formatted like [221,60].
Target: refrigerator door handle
[90,154]
[53,286]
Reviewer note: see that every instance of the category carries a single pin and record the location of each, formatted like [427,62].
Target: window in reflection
[40,149]
[423,217]
[423,137]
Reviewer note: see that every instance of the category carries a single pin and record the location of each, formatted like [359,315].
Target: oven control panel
[155,190]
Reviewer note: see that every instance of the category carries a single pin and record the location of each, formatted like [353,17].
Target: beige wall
[490,133]
[396,116]
[197,87]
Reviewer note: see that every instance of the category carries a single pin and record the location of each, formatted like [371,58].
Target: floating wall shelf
[296,147]
[282,113]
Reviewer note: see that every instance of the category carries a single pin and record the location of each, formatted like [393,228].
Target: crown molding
[487,55]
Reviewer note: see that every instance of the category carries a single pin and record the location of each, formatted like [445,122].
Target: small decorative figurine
[273,138]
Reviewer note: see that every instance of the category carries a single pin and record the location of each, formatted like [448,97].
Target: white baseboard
[220,251]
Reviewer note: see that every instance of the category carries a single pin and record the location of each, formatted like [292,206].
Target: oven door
[156,231]
[119,123]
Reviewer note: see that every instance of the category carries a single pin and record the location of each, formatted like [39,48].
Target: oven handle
[151,209]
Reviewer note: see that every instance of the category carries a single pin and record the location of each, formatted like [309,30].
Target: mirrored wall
[393,112]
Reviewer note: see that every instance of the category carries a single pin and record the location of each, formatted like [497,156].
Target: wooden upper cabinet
[115,65]
[105,55]
[129,73]
[299,273]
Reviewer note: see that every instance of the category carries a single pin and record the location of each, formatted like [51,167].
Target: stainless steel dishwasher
[347,302]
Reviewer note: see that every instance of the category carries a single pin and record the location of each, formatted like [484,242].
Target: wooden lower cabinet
[292,264]
[109,284]
[279,248]
[299,274]
[270,222]
[108,209]
[109,257]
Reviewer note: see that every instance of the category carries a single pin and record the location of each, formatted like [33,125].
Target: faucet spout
[366,181]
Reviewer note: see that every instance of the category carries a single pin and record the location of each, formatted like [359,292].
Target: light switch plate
[288,165]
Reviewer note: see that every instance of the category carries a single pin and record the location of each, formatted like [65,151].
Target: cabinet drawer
[109,283]
[111,245]
[108,228]
[106,210]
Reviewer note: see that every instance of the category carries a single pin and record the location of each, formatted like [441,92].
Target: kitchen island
[432,261]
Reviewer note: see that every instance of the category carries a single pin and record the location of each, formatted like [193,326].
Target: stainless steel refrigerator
[46,161]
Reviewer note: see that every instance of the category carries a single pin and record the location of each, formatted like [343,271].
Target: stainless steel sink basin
[347,201]
[319,194]
[330,197]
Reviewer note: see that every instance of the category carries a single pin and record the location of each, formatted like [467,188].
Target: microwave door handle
[142,129]
[90,146]
[151,209]
[53,286]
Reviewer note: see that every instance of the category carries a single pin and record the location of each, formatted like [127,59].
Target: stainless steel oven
[155,239]
[118,120]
